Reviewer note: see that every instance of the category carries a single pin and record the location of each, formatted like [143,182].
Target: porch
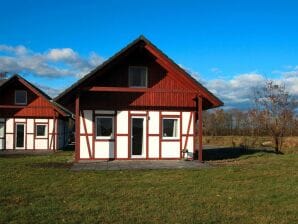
[138,165]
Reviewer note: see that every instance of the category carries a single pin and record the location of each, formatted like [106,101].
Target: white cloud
[52,92]
[18,50]
[63,54]
[216,70]
[54,62]
[237,90]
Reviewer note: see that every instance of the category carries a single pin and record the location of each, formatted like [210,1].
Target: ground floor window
[41,130]
[170,127]
[104,127]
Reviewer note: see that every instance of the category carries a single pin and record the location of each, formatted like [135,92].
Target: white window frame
[177,131]
[113,127]
[146,81]
[46,130]
[15,97]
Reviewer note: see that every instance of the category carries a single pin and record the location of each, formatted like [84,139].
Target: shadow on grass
[230,153]
[21,155]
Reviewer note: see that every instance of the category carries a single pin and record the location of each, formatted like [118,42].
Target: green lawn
[257,188]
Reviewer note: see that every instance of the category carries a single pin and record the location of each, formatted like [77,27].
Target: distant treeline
[235,122]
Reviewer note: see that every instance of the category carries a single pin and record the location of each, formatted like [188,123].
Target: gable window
[41,130]
[20,97]
[170,128]
[137,76]
[104,127]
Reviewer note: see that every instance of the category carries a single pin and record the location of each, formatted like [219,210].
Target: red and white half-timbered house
[29,119]
[138,104]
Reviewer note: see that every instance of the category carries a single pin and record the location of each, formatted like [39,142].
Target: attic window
[137,76]
[20,97]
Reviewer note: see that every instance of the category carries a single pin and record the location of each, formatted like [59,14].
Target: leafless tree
[277,108]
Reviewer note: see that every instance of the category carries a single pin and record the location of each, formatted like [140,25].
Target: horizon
[229,47]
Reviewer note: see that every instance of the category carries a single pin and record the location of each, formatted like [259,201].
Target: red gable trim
[162,59]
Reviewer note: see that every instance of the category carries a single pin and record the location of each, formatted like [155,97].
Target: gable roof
[2,81]
[63,111]
[216,102]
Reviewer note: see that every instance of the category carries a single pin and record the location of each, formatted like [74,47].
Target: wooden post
[200,129]
[77,129]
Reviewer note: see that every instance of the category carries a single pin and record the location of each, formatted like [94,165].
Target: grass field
[256,188]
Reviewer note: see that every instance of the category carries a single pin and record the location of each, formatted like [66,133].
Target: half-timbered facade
[29,120]
[138,104]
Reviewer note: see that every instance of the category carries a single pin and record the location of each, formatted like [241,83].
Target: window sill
[104,138]
[41,137]
[170,138]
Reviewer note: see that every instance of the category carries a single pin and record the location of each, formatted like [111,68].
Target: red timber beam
[200,129]
[77,128]
[188,131]
[134,90]
[86,134]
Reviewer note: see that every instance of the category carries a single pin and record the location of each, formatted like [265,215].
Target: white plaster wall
[170,149]
[50,131]
[41,144]
[138,112]
[153,151]
[9,125]
[185,121]
[84,148]
[122,122]
[43,120]
[9,141]
[104,150]
[20,120]
[50,126]
[153,122]
[170,113]
[122,147]
[30,133]
[30,140]
[30,126]
[88,121]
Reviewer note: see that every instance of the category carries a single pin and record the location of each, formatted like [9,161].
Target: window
[1,130]
[170,128]
[41,130]
[137,76]
[104,127]
[21,97]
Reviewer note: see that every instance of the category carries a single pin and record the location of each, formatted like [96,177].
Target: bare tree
[277,107]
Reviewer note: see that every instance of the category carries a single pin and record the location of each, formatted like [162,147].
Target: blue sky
[225,44]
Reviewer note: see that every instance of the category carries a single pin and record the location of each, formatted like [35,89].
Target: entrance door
[20,136]
[138,137]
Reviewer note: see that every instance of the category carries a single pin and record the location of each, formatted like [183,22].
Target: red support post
[200,129]
[77,128]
